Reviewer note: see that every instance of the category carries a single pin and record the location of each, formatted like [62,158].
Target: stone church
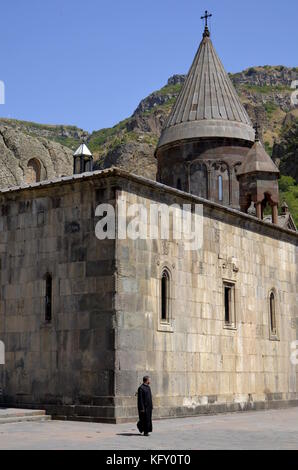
[84,319]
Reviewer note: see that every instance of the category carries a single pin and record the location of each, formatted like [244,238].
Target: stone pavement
[12,415]
[252,430]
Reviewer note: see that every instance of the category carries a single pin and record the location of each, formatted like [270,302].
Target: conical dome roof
[208,105]
[257,161]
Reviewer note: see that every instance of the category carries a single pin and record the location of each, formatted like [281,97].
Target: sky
[89,63]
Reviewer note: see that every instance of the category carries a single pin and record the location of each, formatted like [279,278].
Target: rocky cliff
[18,148]
[64,135]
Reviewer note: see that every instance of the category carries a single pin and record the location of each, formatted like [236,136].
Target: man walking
[145,407]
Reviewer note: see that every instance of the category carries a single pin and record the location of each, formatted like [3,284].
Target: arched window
[165,296]
[33,171]
[272,307]
[199,179]
[179,185]
[77,166]
[220,183]
[220,188]
[48,298]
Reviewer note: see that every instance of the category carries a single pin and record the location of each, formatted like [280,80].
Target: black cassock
[145,408]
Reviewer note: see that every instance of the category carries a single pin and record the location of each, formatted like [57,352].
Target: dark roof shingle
[208,105]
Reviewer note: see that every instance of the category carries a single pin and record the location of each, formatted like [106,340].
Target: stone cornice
[220,212]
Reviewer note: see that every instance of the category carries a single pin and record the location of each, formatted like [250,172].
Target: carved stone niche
[229,268]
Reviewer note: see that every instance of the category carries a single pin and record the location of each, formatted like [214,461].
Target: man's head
[146,380]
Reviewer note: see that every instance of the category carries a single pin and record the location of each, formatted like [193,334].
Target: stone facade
[106,330]
[199,364]
[70,361]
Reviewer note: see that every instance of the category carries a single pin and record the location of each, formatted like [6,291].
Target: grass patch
[170,89]
[69,142]
[101,137]
[268,148]
[289,194]
[270,108]
[266,89]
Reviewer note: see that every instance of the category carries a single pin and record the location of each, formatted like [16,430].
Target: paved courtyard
[253,430]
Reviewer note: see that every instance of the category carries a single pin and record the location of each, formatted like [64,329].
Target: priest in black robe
[145,407]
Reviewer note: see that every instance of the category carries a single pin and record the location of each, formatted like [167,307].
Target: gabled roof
[82,151]
[285,221]
[257,160]
[208,105]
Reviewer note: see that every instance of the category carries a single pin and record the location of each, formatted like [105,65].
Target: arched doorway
[33,171]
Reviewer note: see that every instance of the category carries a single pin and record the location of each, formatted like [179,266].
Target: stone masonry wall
[69,363]
[198,365]
[105,332]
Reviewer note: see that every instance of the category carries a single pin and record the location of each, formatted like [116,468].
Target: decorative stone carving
[229,268]
[165,248]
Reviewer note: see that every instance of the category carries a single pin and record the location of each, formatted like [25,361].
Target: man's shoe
[146,435]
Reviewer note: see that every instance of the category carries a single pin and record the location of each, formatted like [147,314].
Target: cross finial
[84,138]
[205,17]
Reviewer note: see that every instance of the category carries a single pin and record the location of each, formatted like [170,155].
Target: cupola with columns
[82,159]
[258,179]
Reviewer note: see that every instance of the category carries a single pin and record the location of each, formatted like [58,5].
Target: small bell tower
[82,160]
[258,180]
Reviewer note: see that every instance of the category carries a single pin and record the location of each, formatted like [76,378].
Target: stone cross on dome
[205,17]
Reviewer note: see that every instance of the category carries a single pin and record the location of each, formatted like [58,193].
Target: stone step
[12,415]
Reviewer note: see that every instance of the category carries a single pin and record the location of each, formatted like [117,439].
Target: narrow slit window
[165,290]
[77,165]
[179,185]
[48,299]
[273,315]
[220,188]
[229,305]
